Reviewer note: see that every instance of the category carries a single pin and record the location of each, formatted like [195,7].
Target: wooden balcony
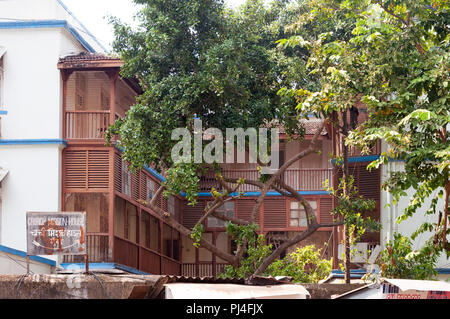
[299,179]
[86,124]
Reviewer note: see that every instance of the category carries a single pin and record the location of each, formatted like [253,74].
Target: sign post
[61,233]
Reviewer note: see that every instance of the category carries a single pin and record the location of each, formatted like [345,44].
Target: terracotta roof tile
[87,56]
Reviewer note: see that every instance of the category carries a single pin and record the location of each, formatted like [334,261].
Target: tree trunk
[345,191]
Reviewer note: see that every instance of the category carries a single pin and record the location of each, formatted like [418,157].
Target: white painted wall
[389,215]
[44,10]
[14,265]
[33,184]
[33,100]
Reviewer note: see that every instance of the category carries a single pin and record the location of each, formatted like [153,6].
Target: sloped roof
[89,60]
[87,56]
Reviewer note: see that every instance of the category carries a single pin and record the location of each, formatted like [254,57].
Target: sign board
[415,289]
[62,233]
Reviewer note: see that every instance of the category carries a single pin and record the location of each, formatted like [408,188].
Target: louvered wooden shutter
[326,205]
[75,169]
[98,169]
[143,190]
[369,183]
[191,214]
[87,169]
[117,172]
[275,213]
[244,209]
[135,185]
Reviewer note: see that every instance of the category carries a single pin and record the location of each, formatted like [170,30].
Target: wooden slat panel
[98,169]
[135,185]
[117,173]
[170,267]
[275,213]
[125,253]
[245,208]
[191,214]
[149,261]
[75,164]
[143,187]
[369,185]
[326,205]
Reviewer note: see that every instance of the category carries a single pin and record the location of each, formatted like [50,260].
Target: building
[72,92]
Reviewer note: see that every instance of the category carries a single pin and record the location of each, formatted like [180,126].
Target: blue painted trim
[34,142]
[80,39]
[155,173]
[354,273]
[3,112]
[91,265]
[23,254]
[443,271]
[47,24]
[33,24]
[131,270]
[369,158]
[256,194]
[359,159]
[106,266]
[82,25]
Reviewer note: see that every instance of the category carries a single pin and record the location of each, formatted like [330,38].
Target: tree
[331,59]
[398,260]
[403,53]
[196,59]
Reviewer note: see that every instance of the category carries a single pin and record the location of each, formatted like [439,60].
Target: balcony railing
[86,124]
[97,250]
[203,269]
[299,179]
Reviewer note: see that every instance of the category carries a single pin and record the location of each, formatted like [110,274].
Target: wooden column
[65,74]
[334,139]
[113,76]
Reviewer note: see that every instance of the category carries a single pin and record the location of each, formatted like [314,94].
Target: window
[298,214]
[151,189]
[80,85]
[227,209]
[126,179]
[171,206]
[104,100]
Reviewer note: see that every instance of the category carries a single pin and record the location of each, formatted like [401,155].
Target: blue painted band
[23,254]
[256,194]
[443,271]
[359,159]
[131,270]
[34,142]
[93,266]
[155,173]
[3,112]
[47,24]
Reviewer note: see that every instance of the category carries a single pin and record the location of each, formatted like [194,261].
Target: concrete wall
[11,264]
[71,286]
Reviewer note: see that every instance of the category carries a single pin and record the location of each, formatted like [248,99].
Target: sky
[92,14]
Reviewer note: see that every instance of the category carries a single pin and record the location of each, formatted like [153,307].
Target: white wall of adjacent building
[391,212]
[31,130]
